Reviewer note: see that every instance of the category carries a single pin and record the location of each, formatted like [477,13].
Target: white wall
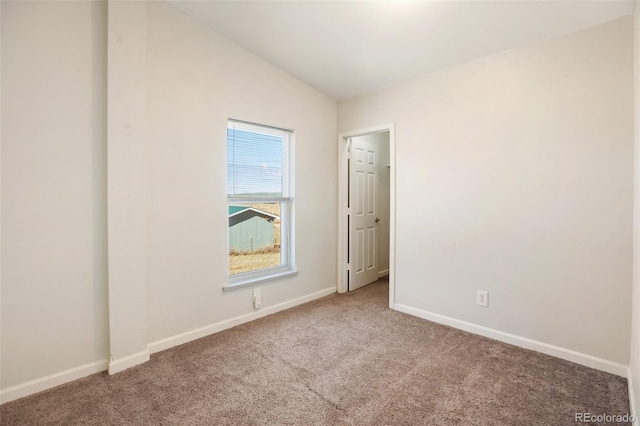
[54,277]
[196,80]
[634,368]
[381,140]
[172,154]
[126,187]
[0,199]
[515,175]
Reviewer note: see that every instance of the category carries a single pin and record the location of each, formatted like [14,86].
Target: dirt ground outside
[239,263]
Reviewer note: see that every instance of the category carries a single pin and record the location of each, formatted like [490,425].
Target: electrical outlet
[482,298]
[257,298]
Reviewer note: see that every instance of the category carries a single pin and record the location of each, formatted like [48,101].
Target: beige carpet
[344,359]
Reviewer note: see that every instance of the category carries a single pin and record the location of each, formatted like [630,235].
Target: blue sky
[254,163]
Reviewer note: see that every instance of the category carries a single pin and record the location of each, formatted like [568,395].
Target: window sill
[258,280]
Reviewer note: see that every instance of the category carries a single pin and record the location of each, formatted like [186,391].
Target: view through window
[259,200]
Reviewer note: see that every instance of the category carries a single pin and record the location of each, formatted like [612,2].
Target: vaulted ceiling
[348,48]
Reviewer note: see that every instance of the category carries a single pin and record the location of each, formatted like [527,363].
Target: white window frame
[287,268]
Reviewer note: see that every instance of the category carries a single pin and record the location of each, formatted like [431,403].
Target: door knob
[377,219]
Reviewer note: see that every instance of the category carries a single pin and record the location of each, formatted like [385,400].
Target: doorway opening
[366,223]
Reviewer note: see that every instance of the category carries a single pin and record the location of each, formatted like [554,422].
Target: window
[260,202]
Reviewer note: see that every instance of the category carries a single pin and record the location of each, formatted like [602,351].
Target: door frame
[343,194]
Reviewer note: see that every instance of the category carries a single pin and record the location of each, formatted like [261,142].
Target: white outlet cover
[482,298]
[257,298]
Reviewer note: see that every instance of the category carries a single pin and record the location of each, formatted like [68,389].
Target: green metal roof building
[250,229]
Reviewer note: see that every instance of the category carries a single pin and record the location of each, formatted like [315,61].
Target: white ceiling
[348,48]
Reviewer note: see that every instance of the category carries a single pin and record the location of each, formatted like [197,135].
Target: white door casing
[363,268]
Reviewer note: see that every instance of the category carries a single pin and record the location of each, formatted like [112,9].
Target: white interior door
[363,268]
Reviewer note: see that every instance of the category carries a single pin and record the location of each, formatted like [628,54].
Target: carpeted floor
[343,359]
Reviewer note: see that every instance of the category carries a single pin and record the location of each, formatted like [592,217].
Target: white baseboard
[198,333]
[53,380]
[121,364]
[116,365]
[383,273]
[523,342]
[632,396]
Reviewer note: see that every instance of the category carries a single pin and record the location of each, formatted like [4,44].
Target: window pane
[254,237]
[259,201]
[254,164]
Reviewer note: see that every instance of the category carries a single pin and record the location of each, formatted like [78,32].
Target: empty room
[319,212]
